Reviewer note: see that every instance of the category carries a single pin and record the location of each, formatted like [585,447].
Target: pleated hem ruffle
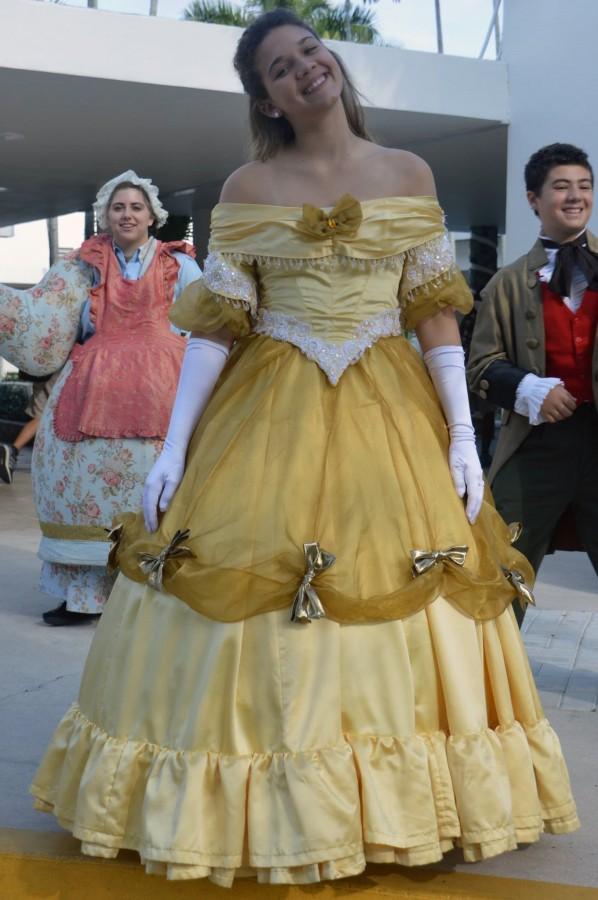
[406,801]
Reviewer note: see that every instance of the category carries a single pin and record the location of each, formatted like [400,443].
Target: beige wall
[550,50]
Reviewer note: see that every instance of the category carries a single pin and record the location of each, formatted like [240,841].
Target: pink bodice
[123,379]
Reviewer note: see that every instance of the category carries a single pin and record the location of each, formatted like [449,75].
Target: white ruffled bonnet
[105,192]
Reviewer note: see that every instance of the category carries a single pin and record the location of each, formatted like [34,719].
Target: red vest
[570,342]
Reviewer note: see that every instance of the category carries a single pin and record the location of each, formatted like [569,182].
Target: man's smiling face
[565,201]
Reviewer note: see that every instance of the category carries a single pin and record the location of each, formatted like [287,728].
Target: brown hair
[269,135]
[543,160]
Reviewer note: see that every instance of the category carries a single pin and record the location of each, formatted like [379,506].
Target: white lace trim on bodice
[227,282]
[427,263]
[330,263]
[332,358]
[420,264]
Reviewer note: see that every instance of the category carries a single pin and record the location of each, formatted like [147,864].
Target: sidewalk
[40,669]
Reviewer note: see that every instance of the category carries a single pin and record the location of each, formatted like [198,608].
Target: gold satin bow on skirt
[153,566]
[515,531]
[343,220]
[424,560]
[307,605]
[114,536]
[524,593]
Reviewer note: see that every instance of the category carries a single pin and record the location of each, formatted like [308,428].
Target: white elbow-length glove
[202,364]
[446,366]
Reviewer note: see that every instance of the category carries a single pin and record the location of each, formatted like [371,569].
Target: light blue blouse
[132,269]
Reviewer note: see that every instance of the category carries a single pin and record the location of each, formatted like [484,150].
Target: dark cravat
[574,253]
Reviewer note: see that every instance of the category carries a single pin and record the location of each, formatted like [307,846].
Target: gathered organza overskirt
[298,753]
[281,457]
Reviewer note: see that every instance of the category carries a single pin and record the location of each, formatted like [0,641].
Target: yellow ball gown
[218,730]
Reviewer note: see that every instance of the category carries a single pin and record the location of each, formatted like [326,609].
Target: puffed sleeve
[225,296]
[39,326]
[431,281]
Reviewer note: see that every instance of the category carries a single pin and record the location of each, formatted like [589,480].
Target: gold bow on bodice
[423,560]
[307,605]
[153,566]
[342,221]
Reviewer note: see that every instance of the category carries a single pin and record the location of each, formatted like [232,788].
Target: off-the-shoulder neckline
[406,197]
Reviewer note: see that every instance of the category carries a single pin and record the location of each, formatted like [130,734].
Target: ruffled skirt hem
[161,862]
[192,814]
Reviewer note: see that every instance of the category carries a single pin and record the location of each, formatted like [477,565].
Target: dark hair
[542,161]
[269,135]
[124,185]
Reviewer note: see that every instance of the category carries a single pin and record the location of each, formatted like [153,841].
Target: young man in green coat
[534,352]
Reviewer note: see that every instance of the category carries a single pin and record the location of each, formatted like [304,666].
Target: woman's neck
[327,140]
[129,250]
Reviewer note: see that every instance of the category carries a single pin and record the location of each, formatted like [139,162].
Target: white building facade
[85,94]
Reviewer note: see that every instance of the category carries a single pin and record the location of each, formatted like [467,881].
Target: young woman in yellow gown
[311,661]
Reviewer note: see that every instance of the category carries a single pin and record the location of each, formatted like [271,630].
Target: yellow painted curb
[49,865]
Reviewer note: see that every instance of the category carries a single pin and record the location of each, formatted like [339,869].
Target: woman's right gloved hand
[203,362]
[446,366]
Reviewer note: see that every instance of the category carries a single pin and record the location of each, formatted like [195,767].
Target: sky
[409,23]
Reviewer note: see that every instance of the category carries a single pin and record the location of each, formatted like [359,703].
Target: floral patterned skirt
[79,488]
[85,588]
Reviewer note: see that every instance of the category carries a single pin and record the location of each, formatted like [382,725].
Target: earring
[276,113]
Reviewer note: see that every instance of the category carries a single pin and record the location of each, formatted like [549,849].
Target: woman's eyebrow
[280,58]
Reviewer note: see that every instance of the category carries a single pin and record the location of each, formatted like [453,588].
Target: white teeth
[311,87]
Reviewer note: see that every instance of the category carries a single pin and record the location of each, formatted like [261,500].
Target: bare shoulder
[409,173]
[248,184]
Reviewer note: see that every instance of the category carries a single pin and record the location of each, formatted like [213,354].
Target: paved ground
[40,669]
[563,646]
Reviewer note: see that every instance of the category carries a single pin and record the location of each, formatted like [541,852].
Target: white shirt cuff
[531,394]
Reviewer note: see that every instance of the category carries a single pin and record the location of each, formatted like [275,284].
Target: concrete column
[201,232]
[90,224]
[52,225]
[483,247]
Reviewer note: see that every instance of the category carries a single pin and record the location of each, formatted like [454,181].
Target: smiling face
[129,218]
[564,203]
[299,74]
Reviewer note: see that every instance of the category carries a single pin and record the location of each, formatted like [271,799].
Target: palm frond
[347,23]
[218,12]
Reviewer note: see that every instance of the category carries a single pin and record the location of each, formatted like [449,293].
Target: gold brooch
[307,605]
